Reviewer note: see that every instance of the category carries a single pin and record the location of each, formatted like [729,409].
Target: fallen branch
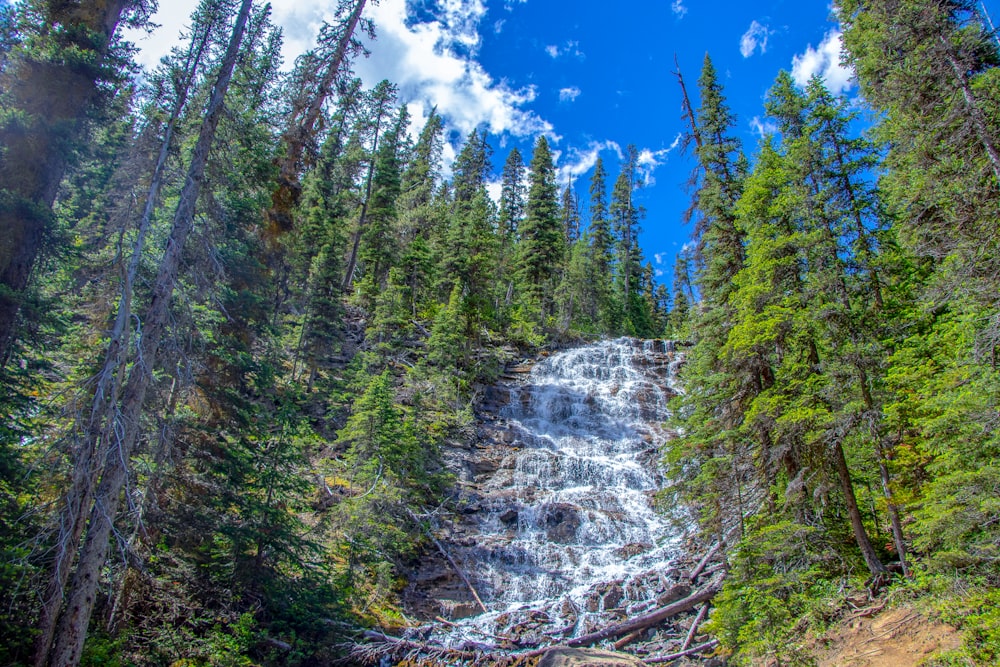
[704,561]
[868,611]
[628,639]
[650,619]
[451,560]
[683,654]
[394,647]
[694,626]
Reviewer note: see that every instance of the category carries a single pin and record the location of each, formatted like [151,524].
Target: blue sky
[592,75]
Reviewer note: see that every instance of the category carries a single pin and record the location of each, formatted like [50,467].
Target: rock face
[555,529]
[581,657]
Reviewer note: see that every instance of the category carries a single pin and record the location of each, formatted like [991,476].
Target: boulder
[588,657]
[561,521]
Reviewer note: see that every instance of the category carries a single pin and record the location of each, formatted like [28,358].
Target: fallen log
[682,654]
[628,639]
[704,561]
[458,570]
[694,627]
[650,619]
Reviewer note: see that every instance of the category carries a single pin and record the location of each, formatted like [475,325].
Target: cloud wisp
[580,161]
[762,128]
[569,94]
[570,48]
[649,160]
[755,37]
[824,61]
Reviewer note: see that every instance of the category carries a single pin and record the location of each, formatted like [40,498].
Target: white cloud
[494,188]
[570,48]
[582,161]
[823,61]
[659,257]
[762,128]
[569,94]
[649,160]
[434,63]
[755,36]
[678,8]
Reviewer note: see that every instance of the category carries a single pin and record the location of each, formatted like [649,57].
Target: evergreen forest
[244,305]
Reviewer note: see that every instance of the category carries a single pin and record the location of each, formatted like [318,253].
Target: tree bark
[53,97]
[875,566]
[78,498]
[287,194]
[123,420]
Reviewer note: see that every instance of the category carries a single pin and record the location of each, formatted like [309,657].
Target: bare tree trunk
[352,262]
[975,113]
[124,422]
[107,392]
[297,137]
[54,98]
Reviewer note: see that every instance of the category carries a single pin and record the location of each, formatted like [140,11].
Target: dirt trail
[900,637]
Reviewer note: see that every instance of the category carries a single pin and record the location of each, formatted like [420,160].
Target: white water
[568,516]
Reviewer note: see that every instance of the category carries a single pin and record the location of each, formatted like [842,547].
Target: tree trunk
[352,262]
[53,98]
[286,196]
[875,566]
[975,113]
[98,433]
[125,422]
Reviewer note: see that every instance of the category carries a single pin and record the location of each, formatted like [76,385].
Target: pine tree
[51,81]
[374,120]
[542,246]
[625,217]
[315,79]
[570,215]
[379,240]
[67,642]
[602,244]
[420,218]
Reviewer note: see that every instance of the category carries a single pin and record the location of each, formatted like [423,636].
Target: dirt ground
[899,637]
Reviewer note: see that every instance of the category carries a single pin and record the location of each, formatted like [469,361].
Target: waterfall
[561,529]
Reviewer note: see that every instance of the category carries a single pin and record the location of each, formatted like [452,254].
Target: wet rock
[485,466]
[454,610]
[633,549]
[509,517]
[612,597]
[561,521]
[673,594]
[568,610]
[587,657]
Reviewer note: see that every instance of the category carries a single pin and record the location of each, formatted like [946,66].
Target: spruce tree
[542,246]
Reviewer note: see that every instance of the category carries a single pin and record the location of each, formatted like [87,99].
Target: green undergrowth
[768,613]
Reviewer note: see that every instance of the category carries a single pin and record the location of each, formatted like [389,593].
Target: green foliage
[780,585]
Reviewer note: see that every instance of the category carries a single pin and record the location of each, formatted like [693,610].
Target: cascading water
[560,535]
